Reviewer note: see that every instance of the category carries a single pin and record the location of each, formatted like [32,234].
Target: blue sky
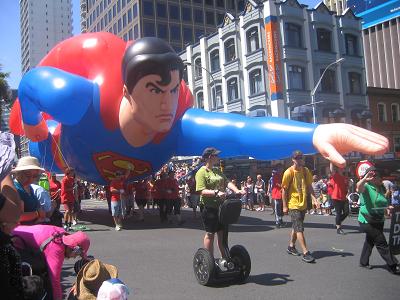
[10,50]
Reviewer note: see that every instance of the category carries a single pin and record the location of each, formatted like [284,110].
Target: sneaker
[65,227]
[308,258]
[74,222]
[369,267]
[312,213]
[293,251]
[340,231]
[394,269]
[117,228]
[277,226]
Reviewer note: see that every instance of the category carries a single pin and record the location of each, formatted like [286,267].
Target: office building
[381,36]
[44,23]
[177,22]
[269,59]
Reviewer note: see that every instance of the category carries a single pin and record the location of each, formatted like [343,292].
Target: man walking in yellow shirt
[296,187]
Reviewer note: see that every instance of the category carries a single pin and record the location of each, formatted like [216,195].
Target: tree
[4,87]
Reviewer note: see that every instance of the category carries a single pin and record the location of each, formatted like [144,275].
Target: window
[119,6]
[355,83]
[162,31]
[240,5]
[395,112]
[256,86]
[230,4]
[328,82]
[200,100]
[396,143]
[351,44]
[129,16]
[197,68]
[220,3]
[186,14]
[187,35]
[210,18]
[252,40]
[130,34]
[198,16]
[119,25]
[114,10]
[209,2]
[148,8]
[220,18]
[148,29]
[296,78]
[217,96]
[161,10]
[124,20]
[232,87]
[175,33]
[382,112]
[134,8]
[230,53]
[324,40]
[135,32]
[293,35]
[174,12]
[198,33]
[214,60]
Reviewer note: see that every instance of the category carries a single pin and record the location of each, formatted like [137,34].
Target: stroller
[354,203]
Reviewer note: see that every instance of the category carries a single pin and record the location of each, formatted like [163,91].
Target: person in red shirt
[158,195]
[55,190]
[117,189]
[142,190]
[171,186]
[276,195]
[339,187]
[68,197]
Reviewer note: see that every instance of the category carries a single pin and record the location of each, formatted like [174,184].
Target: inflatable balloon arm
[64,96]
[272,138]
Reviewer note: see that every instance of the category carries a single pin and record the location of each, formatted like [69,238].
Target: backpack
[36,260]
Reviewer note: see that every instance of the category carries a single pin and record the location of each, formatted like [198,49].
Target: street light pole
[186,63]
[318,83]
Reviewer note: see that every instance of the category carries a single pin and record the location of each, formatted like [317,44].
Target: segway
[236,264]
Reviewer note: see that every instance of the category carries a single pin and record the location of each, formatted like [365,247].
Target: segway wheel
[242,261]
[203,266]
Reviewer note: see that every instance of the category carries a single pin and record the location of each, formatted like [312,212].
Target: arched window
[214,60]
[230,52]
[324,40]
[252,39]
[255,80]
[197,68]
[200,100]
[382,112]
[216,96]
[232,88]
[395,112]
[293,35]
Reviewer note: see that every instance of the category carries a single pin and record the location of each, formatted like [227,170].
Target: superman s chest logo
[109,163]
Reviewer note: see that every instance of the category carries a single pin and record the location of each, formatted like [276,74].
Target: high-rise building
[179,22]
[44,23]
[380,21]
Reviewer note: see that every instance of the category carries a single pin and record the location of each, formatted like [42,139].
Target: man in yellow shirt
[296,188]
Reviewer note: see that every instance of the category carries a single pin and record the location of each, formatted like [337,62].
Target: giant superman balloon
[98,104]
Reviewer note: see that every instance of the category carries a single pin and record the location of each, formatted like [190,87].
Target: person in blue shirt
[395,191]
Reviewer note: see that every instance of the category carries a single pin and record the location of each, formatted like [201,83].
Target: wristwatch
[216,193]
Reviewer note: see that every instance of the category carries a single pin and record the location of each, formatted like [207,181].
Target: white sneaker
[117,228]
[74,222]
[312,213]
[258,209]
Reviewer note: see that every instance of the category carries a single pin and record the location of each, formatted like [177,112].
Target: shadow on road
[270,279]
[322,254]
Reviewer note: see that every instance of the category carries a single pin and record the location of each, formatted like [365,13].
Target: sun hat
[113,289]
[79,239]
[210,151]
[27,163]
[91,277]
[7,153]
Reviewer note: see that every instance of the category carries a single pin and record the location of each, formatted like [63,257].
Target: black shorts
[297,217]
[211,223]
[141,202]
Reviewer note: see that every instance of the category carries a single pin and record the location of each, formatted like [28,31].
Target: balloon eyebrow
[151,84]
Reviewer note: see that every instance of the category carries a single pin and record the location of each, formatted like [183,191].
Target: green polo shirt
[210,180]
[372,198]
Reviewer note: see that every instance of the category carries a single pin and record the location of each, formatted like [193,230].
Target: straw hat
[91,277]
[27,163]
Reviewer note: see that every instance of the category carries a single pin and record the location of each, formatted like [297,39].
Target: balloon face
[154,105]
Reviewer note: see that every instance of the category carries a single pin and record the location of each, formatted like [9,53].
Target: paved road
[156,261]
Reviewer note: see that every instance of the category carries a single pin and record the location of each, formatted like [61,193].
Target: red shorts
[69,206]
